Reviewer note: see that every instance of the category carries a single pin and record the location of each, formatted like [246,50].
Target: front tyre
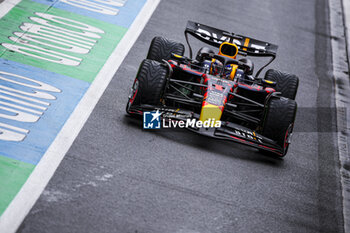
[279,121]
[162,48]
[287,84]
[148,86]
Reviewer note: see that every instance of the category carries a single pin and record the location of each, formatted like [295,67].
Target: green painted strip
[91,62]
[13,174]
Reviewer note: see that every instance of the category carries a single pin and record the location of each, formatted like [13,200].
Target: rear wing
[215,37]
[247,46]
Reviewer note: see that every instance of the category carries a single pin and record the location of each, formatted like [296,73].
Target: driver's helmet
[216,67]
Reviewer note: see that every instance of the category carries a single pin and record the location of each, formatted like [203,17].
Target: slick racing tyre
[148,86]
[162,48]
[279,121]
[287,84]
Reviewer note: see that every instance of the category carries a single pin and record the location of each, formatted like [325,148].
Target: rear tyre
[287,84]
[279,121]
[162,48]
[149,85]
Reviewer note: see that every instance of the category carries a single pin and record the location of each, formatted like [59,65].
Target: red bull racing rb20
[220,87]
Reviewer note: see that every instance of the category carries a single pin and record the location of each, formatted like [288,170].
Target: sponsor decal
[248,134]
[202,32]
[117,12]
[51,39]
[107,7]
[42,31]
[34,105]
[18,104]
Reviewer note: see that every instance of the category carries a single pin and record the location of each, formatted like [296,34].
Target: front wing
[228,131]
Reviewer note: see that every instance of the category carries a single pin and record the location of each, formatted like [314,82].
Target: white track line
[342,91]
[31,190]
[6,6]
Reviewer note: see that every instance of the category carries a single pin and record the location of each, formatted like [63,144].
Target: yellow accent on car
[211,65]
[233,72]
[269,82]
[210,111]
[178,56]
[246,43]
[224,48]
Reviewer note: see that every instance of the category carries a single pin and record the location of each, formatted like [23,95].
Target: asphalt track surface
[119,178]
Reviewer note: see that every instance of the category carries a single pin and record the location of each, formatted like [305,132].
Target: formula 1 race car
[258,112]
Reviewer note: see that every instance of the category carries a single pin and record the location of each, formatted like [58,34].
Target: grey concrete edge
[339,13]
